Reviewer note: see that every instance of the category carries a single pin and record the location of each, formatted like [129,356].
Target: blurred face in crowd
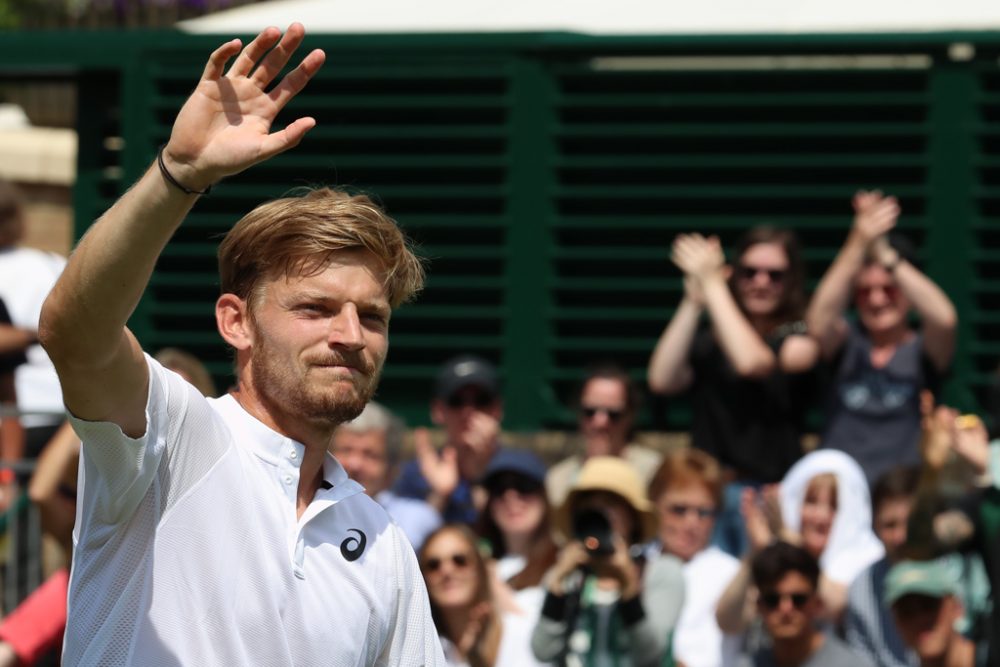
[819,508]
[687,517]
[517,504]
[363,455]
[891,517]
[789,607]
[881,305]
[604,419]
[926,624]
[620,514]
[448,563]
[458,414]
[760,278]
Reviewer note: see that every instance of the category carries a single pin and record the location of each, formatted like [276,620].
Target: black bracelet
[173,181]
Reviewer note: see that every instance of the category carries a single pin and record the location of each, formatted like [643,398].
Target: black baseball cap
[464,371]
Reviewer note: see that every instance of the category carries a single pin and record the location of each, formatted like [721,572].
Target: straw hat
[614,475]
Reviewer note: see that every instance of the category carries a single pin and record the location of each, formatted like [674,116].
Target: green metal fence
[544,177]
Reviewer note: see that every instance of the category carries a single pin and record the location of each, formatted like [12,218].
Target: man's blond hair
[299,235]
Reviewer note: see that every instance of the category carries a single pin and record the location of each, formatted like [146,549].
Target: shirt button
[294,455]
[288,479]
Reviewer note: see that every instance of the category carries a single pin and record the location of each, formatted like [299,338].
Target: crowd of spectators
[878,546]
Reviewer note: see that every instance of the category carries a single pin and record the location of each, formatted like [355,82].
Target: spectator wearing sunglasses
[880,363]
[606,407]
[748,368]
[686,492]
[474,630]
[790,607]
[468,407]
[517,527]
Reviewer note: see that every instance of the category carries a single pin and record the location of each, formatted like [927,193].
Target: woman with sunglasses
[604,604]
[686,492]
[473,631]
[748,369]
[880,363]
[517,529]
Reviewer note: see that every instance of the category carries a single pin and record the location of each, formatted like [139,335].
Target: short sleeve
[8,362]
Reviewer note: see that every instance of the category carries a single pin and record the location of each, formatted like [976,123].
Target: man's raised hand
[225,126]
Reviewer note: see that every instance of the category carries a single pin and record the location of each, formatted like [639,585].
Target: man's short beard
[303,399]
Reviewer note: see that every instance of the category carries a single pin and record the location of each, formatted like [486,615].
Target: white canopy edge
[622,17]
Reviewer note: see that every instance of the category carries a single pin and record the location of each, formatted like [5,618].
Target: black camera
[592,528]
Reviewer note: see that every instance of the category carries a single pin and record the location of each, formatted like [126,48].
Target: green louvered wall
[544,176]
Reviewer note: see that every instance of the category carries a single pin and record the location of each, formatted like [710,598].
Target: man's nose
[345,328]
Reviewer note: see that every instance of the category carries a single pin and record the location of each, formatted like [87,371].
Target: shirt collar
[267,444]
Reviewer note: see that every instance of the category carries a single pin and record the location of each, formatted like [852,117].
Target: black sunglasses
[772,599]
[524,486]
[460,561]
[746,272]
[681,510]
[590,412]
[475,400]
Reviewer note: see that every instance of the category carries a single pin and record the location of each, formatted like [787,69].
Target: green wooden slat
[804,98]
[747,161]
[593,130]
[734,221]
[613,284]
[601,343]
[667,191]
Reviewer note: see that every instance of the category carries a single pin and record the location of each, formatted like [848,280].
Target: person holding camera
[603,605]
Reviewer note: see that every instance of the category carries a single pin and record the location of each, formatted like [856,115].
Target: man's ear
[233,320]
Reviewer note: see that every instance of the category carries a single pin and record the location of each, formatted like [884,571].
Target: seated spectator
[602,607]
[26,278]
[790,607]
[686,492]
[468,406]
[369,448]
[822,505]
[923,598]
[748,368]
[606,409]
[474,631]
[517,528]
[880,364]
[868,625]
[11,431]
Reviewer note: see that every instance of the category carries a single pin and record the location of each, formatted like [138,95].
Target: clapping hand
[700,258]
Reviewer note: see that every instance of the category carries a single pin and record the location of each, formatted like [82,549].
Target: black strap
[173,181]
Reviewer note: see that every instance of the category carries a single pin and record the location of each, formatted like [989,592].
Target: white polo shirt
[188,550]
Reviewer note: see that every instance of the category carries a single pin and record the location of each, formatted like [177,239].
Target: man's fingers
[277,58]
[217,61]
[297,79]
[254,51]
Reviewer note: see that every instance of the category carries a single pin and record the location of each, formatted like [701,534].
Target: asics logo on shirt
[352,548]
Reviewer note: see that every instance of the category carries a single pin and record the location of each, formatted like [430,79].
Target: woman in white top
[686,491]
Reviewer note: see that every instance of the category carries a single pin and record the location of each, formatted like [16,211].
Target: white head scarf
[852,546]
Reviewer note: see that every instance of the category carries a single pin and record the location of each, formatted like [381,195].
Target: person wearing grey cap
[468,407]
[925,605]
